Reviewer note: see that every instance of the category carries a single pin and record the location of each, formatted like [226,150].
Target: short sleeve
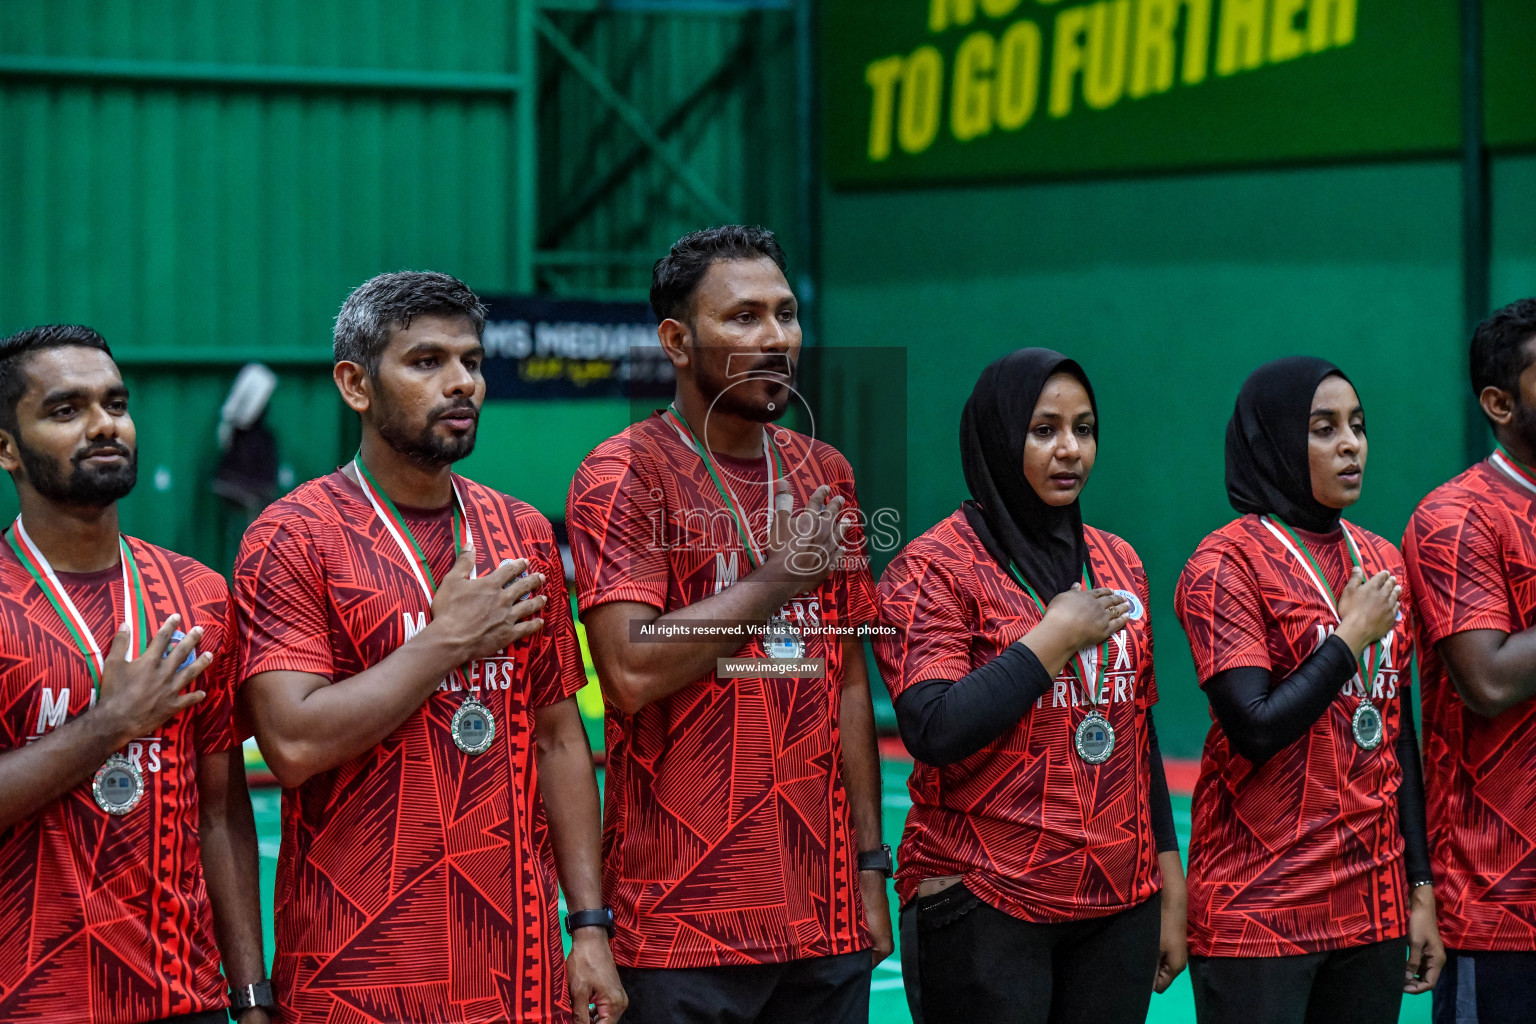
[555,669]
[612,515]
[929,633]
[279,593]
[213,728]
[1455,572]
[1219,604]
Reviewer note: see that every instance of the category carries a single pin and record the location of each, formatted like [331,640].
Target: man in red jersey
[742,835]
[1471,554]
[127,845]
[415,694]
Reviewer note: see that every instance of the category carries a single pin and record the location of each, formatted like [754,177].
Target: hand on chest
[1105,675]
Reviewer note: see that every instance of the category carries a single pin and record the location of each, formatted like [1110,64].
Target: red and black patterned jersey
[1035,830]
[1471,553]
[414,882]
[727,837]
[1303,853]
[105,918]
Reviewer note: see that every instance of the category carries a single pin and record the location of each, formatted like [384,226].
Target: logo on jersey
[727,570]
[1137,611]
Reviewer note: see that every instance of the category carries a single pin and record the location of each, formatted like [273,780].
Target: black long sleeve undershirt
[943,721]
[1166,836]
[1261,716]
[1411,818]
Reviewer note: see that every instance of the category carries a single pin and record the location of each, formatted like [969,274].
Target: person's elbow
[1256,750]
[939,755]
[1483,697]
[292,761]
[626,689]
[923,743]
[1253,741]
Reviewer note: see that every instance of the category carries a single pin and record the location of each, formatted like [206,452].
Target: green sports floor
[888,1003]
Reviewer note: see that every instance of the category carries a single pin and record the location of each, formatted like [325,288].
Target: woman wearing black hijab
[1309,876]
[1021,671]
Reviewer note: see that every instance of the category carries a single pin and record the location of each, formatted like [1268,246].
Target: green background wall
[1169,291]
[204,181]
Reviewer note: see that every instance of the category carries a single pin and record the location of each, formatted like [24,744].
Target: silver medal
[118,786]
[1095,739]
[473,727]
[783,641]
[1367,726]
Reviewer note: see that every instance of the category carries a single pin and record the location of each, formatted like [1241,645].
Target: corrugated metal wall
[718,92]
[718,88]
[204,182]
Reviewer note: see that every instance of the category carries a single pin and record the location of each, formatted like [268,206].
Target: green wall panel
[176,414]
[531,450]
[1509,76]
[467,35]
[727,108]
[1514,228]
[1169,291]
[198,224]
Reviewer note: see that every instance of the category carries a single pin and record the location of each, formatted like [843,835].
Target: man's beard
[1525,424]
[89,486]
[422,446]
[726,395]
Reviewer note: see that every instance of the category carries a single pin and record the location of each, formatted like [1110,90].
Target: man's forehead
[69,368]
[732,280]
[435,329]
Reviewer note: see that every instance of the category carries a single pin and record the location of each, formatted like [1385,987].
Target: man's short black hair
[390,302]
[19,347]
[1499,354]
[676,275]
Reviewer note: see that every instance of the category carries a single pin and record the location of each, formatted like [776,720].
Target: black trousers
[1486,988]
[820,990]
[1358,985]
[964,961]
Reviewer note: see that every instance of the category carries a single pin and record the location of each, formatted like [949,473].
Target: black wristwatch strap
[258,994]
[878,860]
[602,918]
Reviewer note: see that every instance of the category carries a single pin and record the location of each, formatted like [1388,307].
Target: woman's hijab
[1045,542]
[1267,467]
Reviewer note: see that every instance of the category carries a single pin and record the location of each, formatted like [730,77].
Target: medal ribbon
[772,464]
[1315,572]
[1506,464]
[135,607]
[396,526]
[1093,681]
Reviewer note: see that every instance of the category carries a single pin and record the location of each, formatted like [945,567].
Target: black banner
[542,348]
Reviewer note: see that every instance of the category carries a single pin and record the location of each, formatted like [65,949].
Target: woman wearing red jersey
[1021,671]
[1308,866]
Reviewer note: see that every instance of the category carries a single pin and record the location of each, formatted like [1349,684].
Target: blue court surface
[888,1001]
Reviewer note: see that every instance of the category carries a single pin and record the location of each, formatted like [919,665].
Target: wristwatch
[602,918]
[878,860]
[258,995]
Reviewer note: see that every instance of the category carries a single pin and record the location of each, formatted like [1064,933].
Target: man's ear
[355,385]
[675,340]
[10,454]
[1498,405]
